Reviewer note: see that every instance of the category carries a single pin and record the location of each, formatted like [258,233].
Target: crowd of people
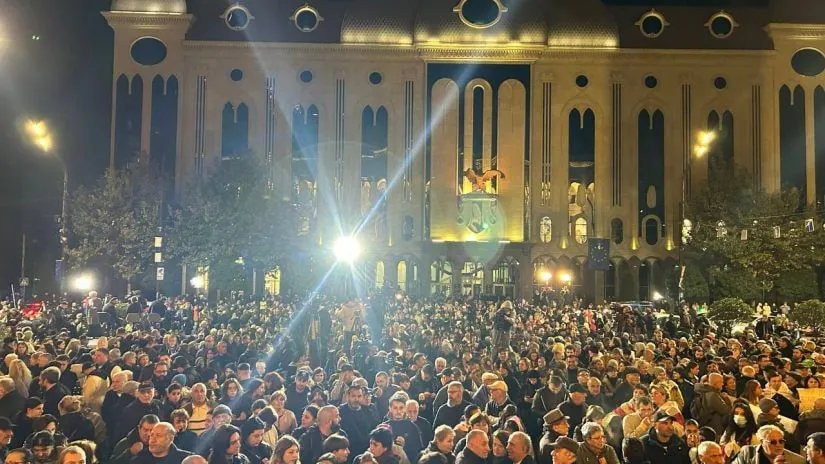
[396,380]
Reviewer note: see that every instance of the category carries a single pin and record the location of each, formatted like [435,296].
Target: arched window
[379,274]
[617,231]
[401,280]
[546,229]
[651,231]
[580,231]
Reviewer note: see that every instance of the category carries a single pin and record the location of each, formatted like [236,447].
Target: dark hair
[707,434]
[432,457]
[383,436]
[633,450]
[40,423]
[817,440]
[220,442]
[335,442]
[312,410]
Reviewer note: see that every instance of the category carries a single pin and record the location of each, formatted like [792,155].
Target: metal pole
[23,259]
[683,216]
[64,226]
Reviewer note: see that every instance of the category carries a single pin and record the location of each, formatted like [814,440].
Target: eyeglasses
[780,441]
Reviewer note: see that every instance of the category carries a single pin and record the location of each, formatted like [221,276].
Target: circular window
[652,24]
[720,83]
[582,81]
[237,17]
[148,51]
[376,78]
[480,13]
[306,77]
[236,75]
[651,82]
[808,62]
[306,18]
[721,25]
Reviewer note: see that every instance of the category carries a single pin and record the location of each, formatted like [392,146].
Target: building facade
[484,146]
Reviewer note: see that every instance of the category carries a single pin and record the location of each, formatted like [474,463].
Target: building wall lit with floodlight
[384,117]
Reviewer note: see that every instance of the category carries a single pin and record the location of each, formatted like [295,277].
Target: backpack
[699,410]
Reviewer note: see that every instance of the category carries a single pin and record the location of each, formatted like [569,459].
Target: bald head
[478,443]
[715,380]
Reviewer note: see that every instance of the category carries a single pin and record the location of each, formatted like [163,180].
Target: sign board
[807,397]
[159,274]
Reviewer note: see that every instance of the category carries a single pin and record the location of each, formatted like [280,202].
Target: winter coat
[750,455]
[809,422]
[675,451]
[710,408]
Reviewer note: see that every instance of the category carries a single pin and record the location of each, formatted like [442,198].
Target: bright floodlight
[346,249]
[566,278]
[83,283]
[545,276]
[701,150]
[707,137]
[657,296]
[197,282]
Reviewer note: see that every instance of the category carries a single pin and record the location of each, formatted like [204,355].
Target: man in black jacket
[356,421]
[549,397]
[451,412]
[312,442]
[144,404]
[662,446]
[477,450]
[161,449]
[53,390]
[137,439]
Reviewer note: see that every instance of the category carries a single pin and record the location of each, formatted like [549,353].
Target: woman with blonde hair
[286,421]
[21,375]
[94,387]
[73,455]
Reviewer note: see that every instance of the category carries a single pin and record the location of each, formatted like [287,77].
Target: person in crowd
[44,448]
[811,422]
[443,443]
[135,441]
[709,452]
[565,451]
[6,434]
[594,449]
[356,420]
[741,430]
[161,446]
[711,406]
[520,448]
[555,425]
[19,456]
[770,448]
[12,399]
[73,455]
[450,412]
[52,391]
[226,446]
[252,434]
[815,448]
[199,408]
[185,439]
[662,445]
[477,449]
[339,447]
[73,424]
[144,404]
[286,451]
[312,441]
[498,452]
[286,422]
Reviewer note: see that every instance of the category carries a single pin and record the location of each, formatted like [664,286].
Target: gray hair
[706,446]
[766,430]
[526,441]
[194,459]
[589,428]
[443,431]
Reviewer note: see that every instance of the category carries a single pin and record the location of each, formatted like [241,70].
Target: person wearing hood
[662,446]
[253,447]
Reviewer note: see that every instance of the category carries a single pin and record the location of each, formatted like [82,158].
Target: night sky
[65,77]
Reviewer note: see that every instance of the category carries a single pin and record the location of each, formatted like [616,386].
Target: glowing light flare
[197,282]
[83,282]
[346,249]
[657,296]
[706,137]
[545,276]
[566,278]
[700,150]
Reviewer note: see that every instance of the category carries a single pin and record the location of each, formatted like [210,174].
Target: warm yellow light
[700,150]
[44,143]
[706,137]
[36,129]
[566,278]
[545,276]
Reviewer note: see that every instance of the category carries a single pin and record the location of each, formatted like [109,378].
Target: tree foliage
[727,207]
[731,310]
[114,221]
[810,313]
[231,222]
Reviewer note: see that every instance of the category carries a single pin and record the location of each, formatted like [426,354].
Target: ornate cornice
[796,31]
[139,20]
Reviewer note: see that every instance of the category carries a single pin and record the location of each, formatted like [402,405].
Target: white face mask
[741,421]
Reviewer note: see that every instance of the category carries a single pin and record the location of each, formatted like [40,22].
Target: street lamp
[40,135]
[704,140]
[197,282]
[566,278]
[83,283]
[545,276]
